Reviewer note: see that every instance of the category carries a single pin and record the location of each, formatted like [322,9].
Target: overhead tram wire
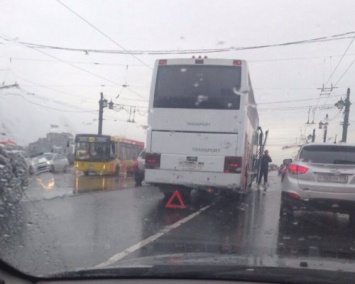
[341,77]
[48,88]
[331,75]
[78,62]
[73,106]
[77,67]
[187,51]
[46,98]
[52,108]
[288,101]
[319,96]
[65,93]
[102,33]
[139,65]
[287,108]
[336,67]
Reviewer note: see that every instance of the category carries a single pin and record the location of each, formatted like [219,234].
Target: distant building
[62,143]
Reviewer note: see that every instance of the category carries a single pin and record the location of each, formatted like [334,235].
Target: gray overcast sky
[285,73]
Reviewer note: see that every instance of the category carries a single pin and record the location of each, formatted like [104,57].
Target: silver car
[39,164]
[58,162]
[321,178]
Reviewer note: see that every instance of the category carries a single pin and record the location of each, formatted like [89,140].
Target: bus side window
[93,149]
[113,149]
[122,151]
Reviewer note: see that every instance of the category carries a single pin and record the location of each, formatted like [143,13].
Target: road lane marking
[149,240]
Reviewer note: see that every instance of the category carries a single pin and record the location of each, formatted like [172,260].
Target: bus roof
[113,138]
[201,61]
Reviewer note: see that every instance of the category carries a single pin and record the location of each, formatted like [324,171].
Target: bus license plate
[191,165]
[332,178]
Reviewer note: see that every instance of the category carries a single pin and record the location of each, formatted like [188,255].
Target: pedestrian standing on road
[264,168]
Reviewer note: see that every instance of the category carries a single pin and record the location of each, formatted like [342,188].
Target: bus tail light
[163,62]
[237,62]
[232,164]
[152,161]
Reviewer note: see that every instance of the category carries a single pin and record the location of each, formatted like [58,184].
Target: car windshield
[205,139]
[92,151]
[48,156]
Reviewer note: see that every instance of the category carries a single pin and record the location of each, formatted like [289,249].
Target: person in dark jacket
[264,168]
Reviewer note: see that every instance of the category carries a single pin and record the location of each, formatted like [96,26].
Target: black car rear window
[328,154]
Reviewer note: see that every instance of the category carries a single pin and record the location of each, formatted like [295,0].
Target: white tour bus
[203,126]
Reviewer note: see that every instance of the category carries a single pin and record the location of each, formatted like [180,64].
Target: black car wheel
[352,220]
[286,212]
[138,178]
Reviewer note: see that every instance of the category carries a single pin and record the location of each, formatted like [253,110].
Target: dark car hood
[215,266]
[212,259]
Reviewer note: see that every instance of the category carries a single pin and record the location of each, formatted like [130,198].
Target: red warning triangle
[176,195]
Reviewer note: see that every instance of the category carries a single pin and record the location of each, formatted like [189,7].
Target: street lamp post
[346,116]
[340,105]
[102,105]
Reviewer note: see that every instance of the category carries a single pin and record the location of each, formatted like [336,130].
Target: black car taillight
[152,161]
[232,164]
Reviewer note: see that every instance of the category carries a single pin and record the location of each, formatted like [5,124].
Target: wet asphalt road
[66,222]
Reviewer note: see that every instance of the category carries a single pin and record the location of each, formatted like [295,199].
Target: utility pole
[325,129]
[314,135]
[325,125]
[346,116]
[326,91]
[102,105]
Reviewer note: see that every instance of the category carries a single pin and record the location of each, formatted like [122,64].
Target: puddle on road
[84,184]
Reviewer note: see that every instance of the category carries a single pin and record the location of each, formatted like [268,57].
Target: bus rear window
[197,87]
